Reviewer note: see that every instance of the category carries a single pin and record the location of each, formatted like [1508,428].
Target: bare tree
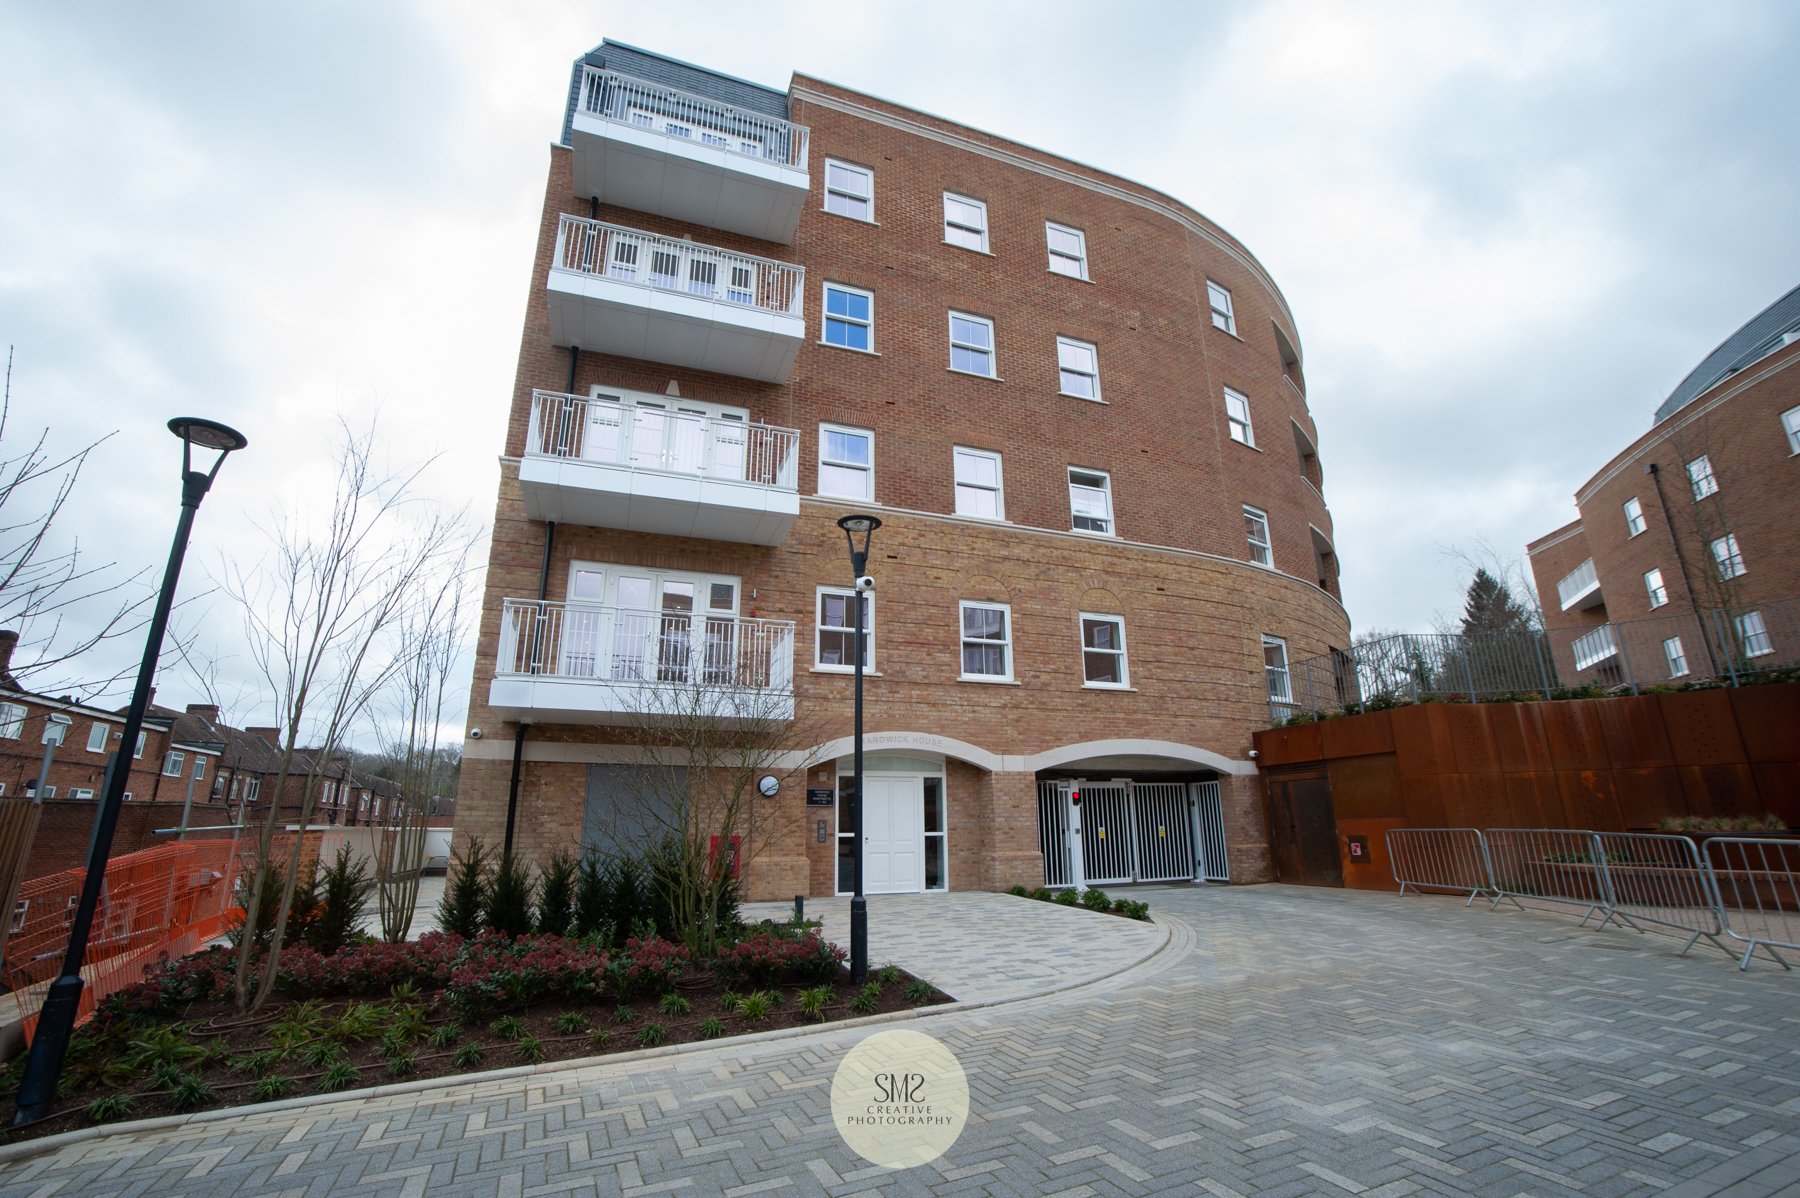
[716,717]
[435,635]
[60,602]
[323,617]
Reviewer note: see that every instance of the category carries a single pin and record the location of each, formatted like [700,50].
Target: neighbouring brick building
[1076,405]
[1685,558]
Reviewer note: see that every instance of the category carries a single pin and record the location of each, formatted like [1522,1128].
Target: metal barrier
[1551,865]
[1757,881]
[1453,859]
[1660,879]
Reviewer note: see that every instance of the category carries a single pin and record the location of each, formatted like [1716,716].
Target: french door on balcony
[632,625]
[697,270]
[666,434]
[675,126]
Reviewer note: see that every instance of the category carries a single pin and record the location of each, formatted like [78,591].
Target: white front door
[894,831]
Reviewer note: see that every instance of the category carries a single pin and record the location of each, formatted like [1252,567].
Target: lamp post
[62,1003]
[859,907]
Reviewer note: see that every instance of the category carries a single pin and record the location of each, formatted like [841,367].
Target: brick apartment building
[1685,558]
[1076,405]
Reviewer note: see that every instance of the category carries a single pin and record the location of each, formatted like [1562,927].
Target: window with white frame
[986,641]
[1653,584]
[1222,315]
[834,641]
[1634,516]
[199,769]
[81,792]
[1103,651]
[18,916]
[138,752]
[849,317]
[12,721]
[172,764]
[978,489]
[1256,529]
[1237,417]
[849,190]
[97,737]
[1068,250]
[965,222]
[49,792]
[846,462]
[1078,368]
[1676,655]
[1790,424]
[971,344]
[1090,500]
[1701,479]
[1753,635]
[1727,557]
[1275,669]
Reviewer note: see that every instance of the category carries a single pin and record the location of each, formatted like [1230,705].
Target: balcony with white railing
[1595,647]
[591,664]
[615,290]
[1580,588]
[651,148]
[653,467]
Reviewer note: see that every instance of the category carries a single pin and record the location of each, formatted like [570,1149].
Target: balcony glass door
[582,631]
[654,627]
[666,434]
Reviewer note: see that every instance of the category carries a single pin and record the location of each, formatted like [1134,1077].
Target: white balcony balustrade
[652,465]
[623,291]
[580,663]
[1580,588]
[1595,647]
[651,148]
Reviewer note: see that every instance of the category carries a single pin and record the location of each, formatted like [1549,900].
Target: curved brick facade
[1178,570]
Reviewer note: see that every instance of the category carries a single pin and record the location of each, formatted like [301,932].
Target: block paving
[1285,1042]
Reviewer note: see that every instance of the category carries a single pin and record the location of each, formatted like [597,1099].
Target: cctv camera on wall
[474,734]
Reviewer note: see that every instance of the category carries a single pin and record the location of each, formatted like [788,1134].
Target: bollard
[799,908]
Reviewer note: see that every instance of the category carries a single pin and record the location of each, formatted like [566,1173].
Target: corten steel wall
[1737,424]
[1195,608]
[1620,764]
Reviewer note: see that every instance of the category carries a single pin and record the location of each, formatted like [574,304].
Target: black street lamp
[859,906]
[63,1001]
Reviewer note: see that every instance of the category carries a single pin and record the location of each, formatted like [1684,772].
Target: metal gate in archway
[1126,831]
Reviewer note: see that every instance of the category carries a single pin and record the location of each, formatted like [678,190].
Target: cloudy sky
[1506,230]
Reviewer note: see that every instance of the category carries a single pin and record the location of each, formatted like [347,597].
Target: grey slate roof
[1760,336]
[672,72]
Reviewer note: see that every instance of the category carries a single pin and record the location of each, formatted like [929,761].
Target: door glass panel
[687,440]
[664,267]
[846,855]
[675,631]
[649,423]
[703,276]
[934,863]
[605,429]
[631,630]
[730,439]
[743,285]
[624,261]
[934,805]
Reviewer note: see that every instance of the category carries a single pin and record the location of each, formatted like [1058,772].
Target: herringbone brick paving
[1288,1042]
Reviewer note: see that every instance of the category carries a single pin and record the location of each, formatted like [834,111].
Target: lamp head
[205,434]
[854,525]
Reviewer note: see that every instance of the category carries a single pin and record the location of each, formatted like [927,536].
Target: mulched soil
[609,1030]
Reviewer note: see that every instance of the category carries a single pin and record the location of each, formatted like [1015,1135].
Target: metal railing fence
[641,259]
[1730,646]
[1744,887]
[647,438]
[625,645]
[646,105]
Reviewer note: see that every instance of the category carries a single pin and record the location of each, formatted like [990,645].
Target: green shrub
[813,1001]
[918,992]
[555,913]
[623,1014]
[599,1037]
[341,898]
[865,999]
[1020,891]
[1095,900]
[467,1056]
[509,1027]
[320,1053]
[590,915]
[1042,894]
[755,1006]
[711,1028]
[270,1088]
[1139,911]
[888,974]
[340,1076]
[530,1050]
[571,1023]
[258,1064]
[190,1093]
[675,1004]
[402,1064]
[1066,898]
[110,1108]
[506,907]
[652,1034]
[445,1035]
[459,911]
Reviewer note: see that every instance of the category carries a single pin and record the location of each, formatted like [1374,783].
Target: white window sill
[984,253]
[1109,686]
[1268,565]
[1090,532]
[846,671]
[861,220]
[988,679]
[845,498]
[1248,445]
[850,348]
[971,374]
[1088,398]
[1230,334]
[1072,278]
[982,519]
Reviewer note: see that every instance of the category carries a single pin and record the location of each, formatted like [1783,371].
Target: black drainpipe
[518,757]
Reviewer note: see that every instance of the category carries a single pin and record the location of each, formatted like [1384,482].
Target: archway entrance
[1112,831]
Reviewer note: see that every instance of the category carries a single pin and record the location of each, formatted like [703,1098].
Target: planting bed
[376,1014]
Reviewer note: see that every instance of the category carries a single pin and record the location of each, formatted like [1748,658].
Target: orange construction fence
[156,905]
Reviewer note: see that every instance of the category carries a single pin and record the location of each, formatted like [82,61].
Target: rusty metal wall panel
[1421,740]
[1768,720]
[1280,746]
[1471,740]
[1648,796]
[1720,789]
[1701,728]
[1366,787]
[1573,735]
[1358,736]
[1779,784]
[1519,740]
[1589,799]
[1632,727]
